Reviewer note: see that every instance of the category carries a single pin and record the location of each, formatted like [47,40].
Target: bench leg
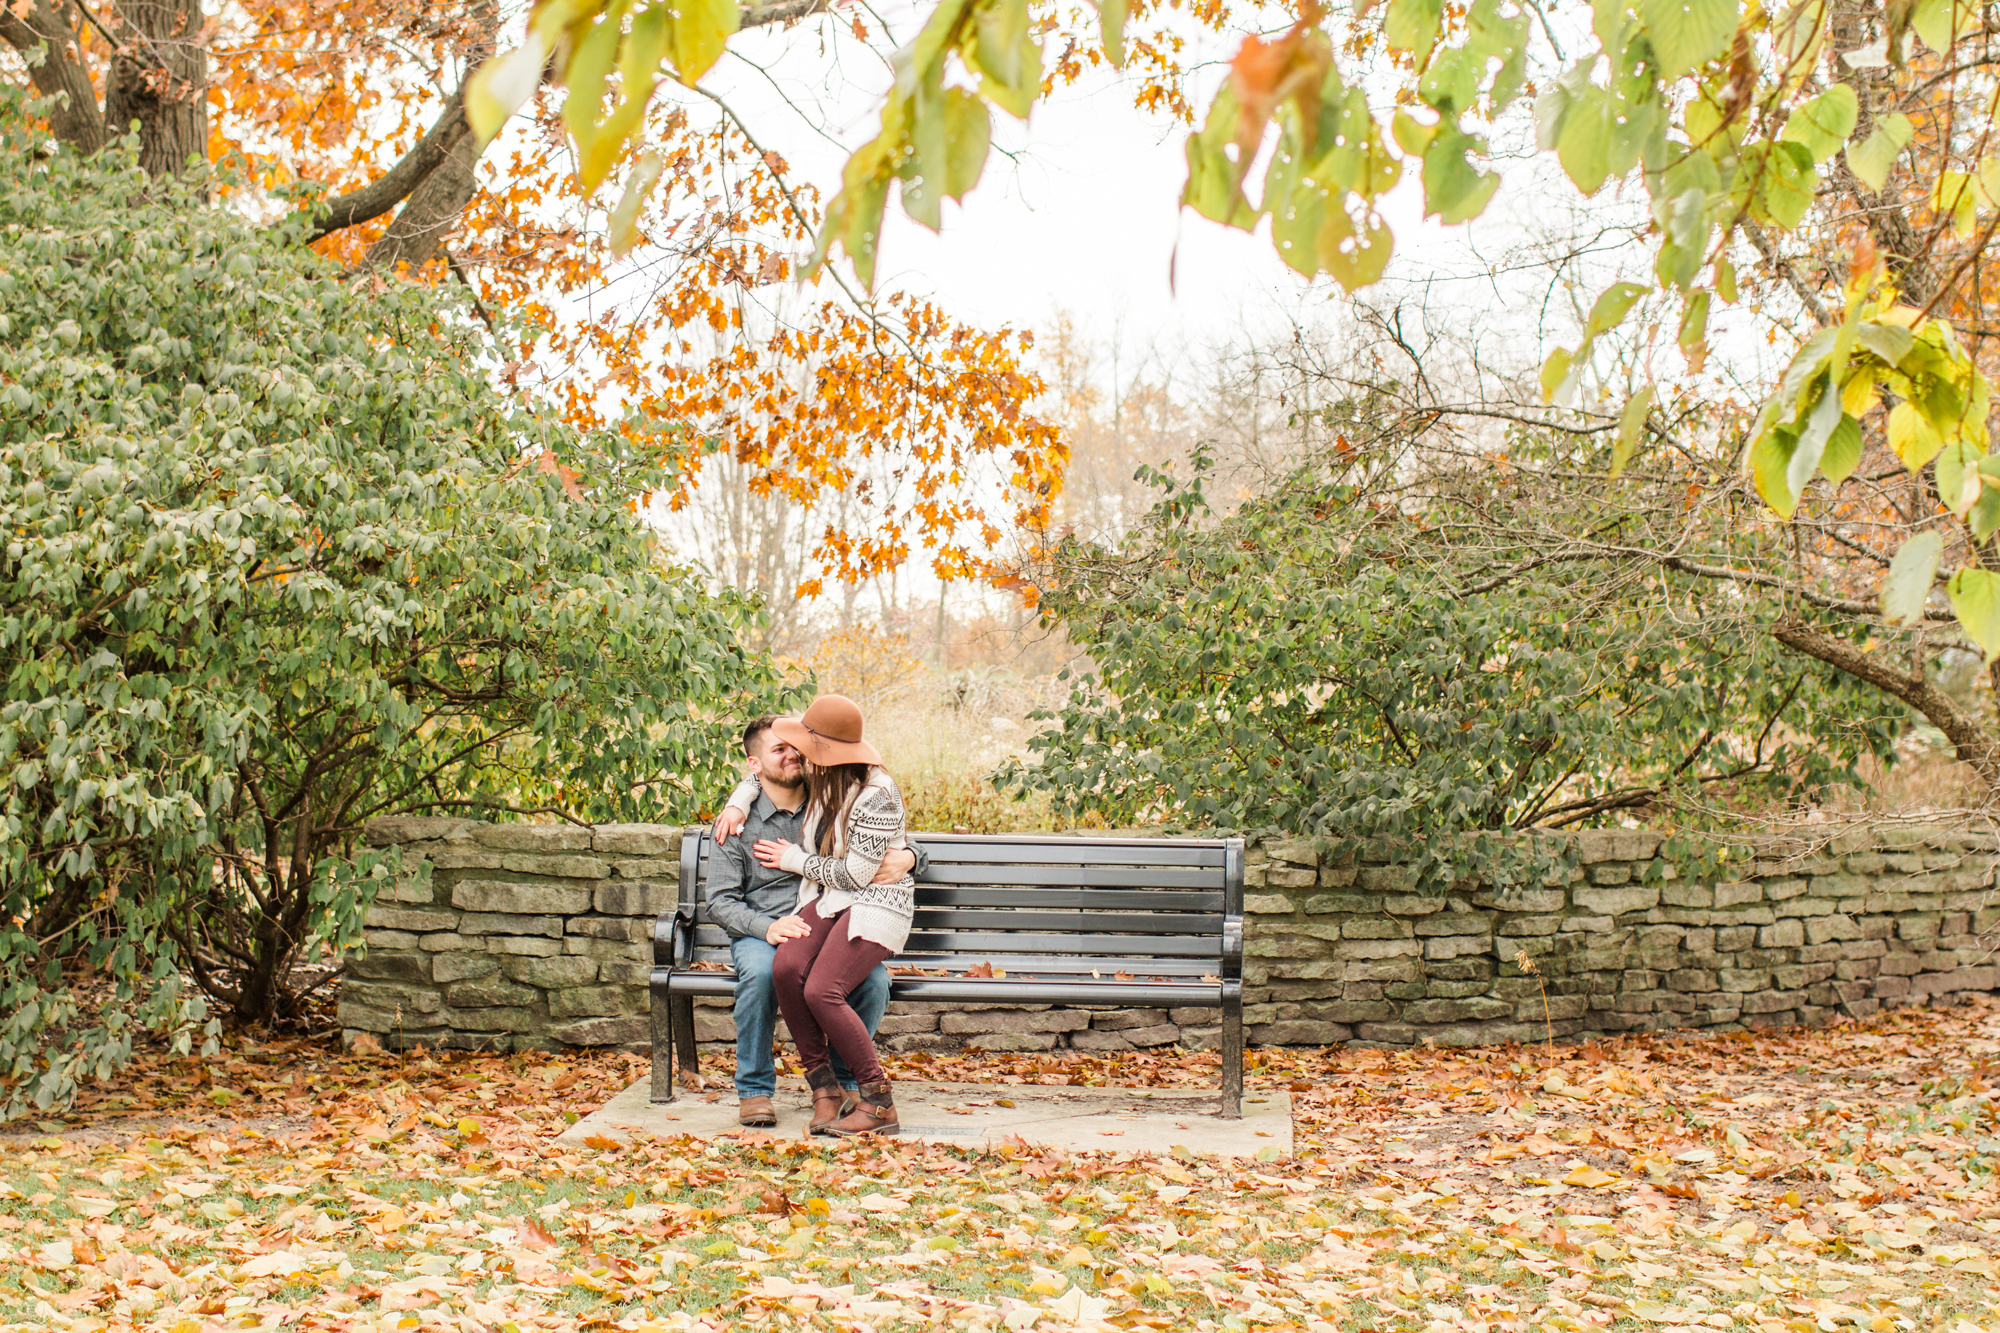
[1232,1057]
[690,1059]
[663,1050]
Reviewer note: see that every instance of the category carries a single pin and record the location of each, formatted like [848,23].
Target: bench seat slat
[975,990]
[1074,923]
[930,894]
[945,871]
[1028,965]
[967,849]
[1052,944]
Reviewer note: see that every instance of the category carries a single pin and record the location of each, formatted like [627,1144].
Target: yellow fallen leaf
[56,1256]
[1076,1256]
[880,1203]
[1172,1193]
[1589,1177]
[280,1263]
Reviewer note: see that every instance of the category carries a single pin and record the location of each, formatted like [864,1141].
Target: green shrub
[279,557]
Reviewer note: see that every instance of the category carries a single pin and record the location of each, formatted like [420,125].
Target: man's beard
[795,785]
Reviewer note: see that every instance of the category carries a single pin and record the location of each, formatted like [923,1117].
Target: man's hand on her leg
[899,862]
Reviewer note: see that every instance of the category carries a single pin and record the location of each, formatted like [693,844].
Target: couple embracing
[817,891]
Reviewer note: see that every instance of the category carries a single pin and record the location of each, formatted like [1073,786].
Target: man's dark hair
[758,726]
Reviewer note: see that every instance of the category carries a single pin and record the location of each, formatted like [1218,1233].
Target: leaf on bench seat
[986,970]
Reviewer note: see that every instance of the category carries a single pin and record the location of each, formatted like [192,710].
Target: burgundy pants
[813,976]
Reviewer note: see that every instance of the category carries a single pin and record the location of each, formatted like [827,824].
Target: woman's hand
[731,820]
[769,852]
[786,928]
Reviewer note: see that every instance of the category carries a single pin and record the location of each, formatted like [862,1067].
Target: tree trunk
[159,78]
[43,36]
[432,211]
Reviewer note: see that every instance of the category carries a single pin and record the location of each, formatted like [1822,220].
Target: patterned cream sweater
[872,825]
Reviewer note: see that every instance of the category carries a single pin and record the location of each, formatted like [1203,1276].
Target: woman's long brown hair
[828,790]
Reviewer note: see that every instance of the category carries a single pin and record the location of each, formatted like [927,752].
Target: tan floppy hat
[829,733]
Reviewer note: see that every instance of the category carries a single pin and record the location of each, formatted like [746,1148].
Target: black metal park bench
[1143,922]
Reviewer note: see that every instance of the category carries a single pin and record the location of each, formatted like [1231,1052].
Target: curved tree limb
[383,193]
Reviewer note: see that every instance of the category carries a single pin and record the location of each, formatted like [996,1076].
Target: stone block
[1901,965]
[1373,949]
[1376,928]
[389,965]
[392,830]
[1455,923]
[1119,1019]
[1798,976]
[1161,1034]
[1290,877]
[1013,1020]
[1891,987]
[551,973]
[1321,903]
[636,840]
[415,921]
[1090,1039]
[1461,969]
[508,923]
[488,991]
[533,837]
[590,1001]
[1475,1009]
[606,951]
[1338,877]
[640,898]
[1521,900]
[1736,893]
[1839,926]
[1201,1039]
[1299,1032]
[1616,901]
[463,966]
[897,1025]
[627,1030]
[1387,1034]
[1743,980]
[1919,926]
[1781,935]
[1611,872]
[393,939]
[1298,851]
[1768,1002]
[625,929]
[1827,952]
[1860,969]
[1267,904]
[645,868]
[1687,894]
[1389,880]
[1593,845]
[1693,980]
[496,1018]
[1840,886]
[1281,945]
[1004,1041]
[1456,946]
[536,946]
[1412,904]
[492,895]
[1587,925]
[391,997]
[448,940]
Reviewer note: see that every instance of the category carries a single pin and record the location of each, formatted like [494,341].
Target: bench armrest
[673,937]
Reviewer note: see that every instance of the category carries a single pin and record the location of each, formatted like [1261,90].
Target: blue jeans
[757,1016]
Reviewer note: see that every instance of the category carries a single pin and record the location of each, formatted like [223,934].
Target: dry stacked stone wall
[540,935]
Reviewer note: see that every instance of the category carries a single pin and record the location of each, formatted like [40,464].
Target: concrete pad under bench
[971,1114]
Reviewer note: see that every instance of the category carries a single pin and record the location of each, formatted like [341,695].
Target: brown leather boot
[875,1115]
[828,1102]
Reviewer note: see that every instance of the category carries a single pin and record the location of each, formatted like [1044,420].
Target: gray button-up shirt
[744,895]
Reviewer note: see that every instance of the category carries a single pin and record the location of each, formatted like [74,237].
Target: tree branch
[393,186]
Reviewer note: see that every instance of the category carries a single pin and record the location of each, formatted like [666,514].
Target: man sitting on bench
[746,899]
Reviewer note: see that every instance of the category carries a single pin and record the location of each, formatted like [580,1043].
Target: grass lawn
[1841,1178]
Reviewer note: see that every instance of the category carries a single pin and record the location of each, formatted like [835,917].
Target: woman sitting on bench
[854,817]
